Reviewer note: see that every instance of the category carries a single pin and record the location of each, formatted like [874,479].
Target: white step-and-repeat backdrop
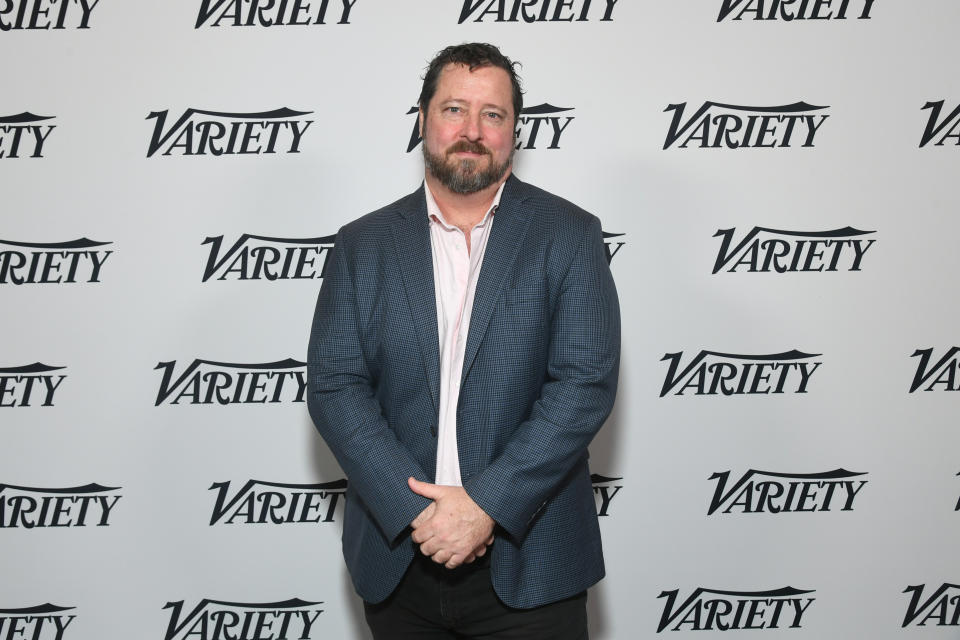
[777,182]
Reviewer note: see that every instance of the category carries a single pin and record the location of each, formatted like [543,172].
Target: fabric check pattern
[539,379]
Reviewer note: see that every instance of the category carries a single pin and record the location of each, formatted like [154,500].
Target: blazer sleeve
[345,409]
[578,395]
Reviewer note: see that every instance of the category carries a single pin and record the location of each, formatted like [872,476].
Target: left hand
[456,530]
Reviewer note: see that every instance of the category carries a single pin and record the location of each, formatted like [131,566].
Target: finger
[480,551]
[424,516]
[429,548]
[424,489]
[421,535]
[489,540]
[470,558]
[421,521]
[454,561]
[442,557]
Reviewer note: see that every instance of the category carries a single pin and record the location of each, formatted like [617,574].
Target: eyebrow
[488,105]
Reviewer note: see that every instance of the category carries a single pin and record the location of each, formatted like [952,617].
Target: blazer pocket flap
[527,294]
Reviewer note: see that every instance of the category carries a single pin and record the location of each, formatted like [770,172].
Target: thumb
[424,489]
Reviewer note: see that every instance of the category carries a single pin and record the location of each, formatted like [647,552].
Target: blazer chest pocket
[521,325]
[526,296]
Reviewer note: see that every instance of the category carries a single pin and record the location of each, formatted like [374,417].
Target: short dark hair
[473,55]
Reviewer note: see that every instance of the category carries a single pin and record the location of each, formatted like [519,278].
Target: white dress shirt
[455,273]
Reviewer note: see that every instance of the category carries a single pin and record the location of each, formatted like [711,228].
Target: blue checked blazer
[539,379]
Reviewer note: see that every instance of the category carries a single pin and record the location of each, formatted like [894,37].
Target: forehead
[489,84]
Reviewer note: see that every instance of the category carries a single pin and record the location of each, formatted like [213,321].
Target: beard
[464,176]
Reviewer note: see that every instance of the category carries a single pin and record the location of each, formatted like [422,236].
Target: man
[464,352]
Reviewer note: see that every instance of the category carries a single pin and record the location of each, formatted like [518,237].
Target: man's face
[467,128]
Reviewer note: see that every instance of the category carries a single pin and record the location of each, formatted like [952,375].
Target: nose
[471,127]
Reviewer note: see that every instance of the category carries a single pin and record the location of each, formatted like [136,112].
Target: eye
[452,109]
[493,115]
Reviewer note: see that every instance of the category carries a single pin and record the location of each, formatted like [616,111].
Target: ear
[420,120]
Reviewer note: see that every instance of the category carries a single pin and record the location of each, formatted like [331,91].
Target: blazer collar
[506,237]
[411,234]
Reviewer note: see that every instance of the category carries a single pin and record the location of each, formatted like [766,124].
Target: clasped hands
[452,530]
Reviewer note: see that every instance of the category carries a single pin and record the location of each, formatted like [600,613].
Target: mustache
[467,146]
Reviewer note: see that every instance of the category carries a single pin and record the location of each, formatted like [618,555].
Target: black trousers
[433,602]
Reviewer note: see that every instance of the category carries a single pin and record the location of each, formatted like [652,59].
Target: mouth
[468,150]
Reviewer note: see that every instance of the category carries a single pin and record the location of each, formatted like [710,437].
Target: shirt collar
[434,213]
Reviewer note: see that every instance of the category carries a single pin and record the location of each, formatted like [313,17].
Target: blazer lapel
[509,230]
[411,234]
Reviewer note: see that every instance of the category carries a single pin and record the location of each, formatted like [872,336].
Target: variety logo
[217,620]
[943,372]
[764,250]
[29,385]
[939,128]
[45,14]
[789,10]
[42,622]
[609,242]
[715,125]
[31,507]
[716,610]
[217,133]
[51,262]
[259,502]
[941,609]
[269,13]
[208,382]
[537,10]
[604,491]
[711,373]
[541,124]
[769,492]
[20,136]
[264,258]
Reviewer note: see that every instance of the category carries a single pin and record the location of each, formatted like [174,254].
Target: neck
[463,210]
